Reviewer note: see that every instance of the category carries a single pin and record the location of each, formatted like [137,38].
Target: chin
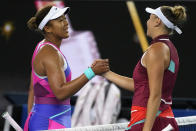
[66,36]
[147,34]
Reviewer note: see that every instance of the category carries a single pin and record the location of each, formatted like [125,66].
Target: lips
[66,29]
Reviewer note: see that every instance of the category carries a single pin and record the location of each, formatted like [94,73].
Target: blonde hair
[177,15]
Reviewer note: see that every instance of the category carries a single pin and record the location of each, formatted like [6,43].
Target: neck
[54,40]
[158,33]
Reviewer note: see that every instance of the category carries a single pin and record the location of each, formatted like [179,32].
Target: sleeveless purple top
[140,76]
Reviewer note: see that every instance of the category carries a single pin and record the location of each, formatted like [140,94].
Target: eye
[62,19]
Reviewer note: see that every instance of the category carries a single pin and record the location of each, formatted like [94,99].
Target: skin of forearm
[152,109]
[68,89]
[122,81]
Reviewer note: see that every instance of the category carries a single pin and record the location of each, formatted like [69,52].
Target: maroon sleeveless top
[140,77]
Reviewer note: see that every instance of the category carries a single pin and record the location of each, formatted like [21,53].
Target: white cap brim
[54,13]
[161,16]
[150,10]
[60,12]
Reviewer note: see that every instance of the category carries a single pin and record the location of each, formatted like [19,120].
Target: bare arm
[122,81]
[156,62]
[30,95]
[56,77]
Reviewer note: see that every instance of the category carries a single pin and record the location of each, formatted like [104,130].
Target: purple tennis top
[140,76]
[48,112]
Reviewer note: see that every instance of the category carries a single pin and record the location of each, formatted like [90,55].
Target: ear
[47,29]
[157,21]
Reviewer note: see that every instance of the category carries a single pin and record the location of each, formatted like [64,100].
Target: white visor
[54,13]
[159,14]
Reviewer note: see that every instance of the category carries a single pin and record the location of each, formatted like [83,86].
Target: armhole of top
[64,60]
[41,44]
[39,48]
[171,66]
[142,59]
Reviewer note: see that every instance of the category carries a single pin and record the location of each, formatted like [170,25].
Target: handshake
[99,67]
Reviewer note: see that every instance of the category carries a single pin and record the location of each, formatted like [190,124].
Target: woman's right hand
[100,66]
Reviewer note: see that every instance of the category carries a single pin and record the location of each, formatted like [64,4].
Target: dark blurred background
[115,35]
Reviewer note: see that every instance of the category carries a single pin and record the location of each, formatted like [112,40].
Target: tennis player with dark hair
[155,74]
[51,86]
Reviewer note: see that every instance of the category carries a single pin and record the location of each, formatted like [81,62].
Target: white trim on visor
[54,13]
[159,14]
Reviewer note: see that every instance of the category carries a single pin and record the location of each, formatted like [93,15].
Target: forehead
[153,16]
[56,20]
[62,16]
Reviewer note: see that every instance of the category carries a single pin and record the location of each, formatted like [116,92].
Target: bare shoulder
[159,46]
[158,49]
[157,52]
[50,55]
